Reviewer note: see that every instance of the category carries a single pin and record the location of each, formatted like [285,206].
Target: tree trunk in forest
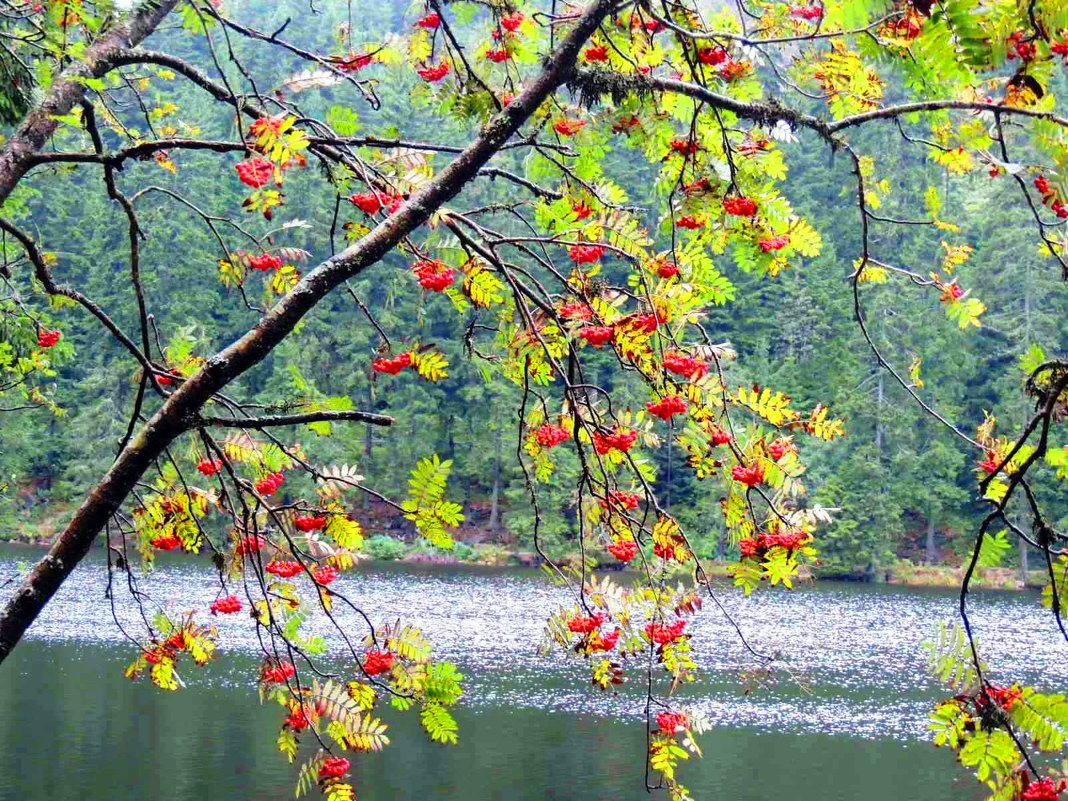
[930,555]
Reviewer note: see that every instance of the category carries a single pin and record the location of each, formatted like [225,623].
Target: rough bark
[179,411]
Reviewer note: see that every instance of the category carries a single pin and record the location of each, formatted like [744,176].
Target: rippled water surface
[845,721]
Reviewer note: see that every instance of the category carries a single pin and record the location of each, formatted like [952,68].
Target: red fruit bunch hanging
[690,223]
[229,605]
[712,56]
[739,206]
[566,127]
[623,550]
[256,172]
[165,542]
[671,722]
[512,22]
[434,276]
[353,62]
[549,435]
[597,335]
[582,211]
[585,624]
[720,436]
[1020,46]
[430,22]
[209,467]
[684,147]
[250,544]
[48,339]
[622,439]
[392,366]
[1045,789]
[283,568]
[498,55]
[662,634]
[308,523]
[790,540]
[686,366]
[1061,49]
[585,254]
[369,202]
[778,449]
[377,662]
[433,74]
[667,269]
[667,407]
[265,262]
[595,53]
[1050,197]
[333,768]
[810,13]
[278,674]
[750,476]
[269,484]
[324,575]
[618,499]
[774,243]
[951,292]
[576,311]
[1004,698]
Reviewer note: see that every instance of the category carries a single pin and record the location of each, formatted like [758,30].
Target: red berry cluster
[269,484]
[498,55]
[585,254]
[48,339]
[621,439]
[686,366]
[430,22]
[778,449]
[209,467]
[1022,47]
[256,172]
[621,500]
[668,407]
[756,547]
[624,550]
[1045,789]
[661,634]
[597,335]
[247,545]
[1050,197]
[549,435]
[774,243]
[576,311]
[371,202]
[684,147]
[283,569]
[1004,698]
[689,222]
[1061,49]
[377,662]
[278,674]
[582,211]
[512,22]
[226,606]
[600,641]
[265,262]
[585,624]
[566,127]
[991,463]
[750,476]
[434,276]
[811,13]
[671,722]
[324,575]
[739,206]
[596,53]
[667,269]
[392,366]
[334,767]
[308,523]
[433,74]
[712,56]
[166,542]
[353,62]
[721,436]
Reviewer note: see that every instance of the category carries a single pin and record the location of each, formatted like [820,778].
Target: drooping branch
[172,419]
[274,420]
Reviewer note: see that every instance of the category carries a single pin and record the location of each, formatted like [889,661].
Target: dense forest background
[904,487]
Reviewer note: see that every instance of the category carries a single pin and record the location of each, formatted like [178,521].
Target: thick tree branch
[17,154]
[271,420]
[171,419]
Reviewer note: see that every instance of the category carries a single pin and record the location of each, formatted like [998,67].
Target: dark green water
[852,726]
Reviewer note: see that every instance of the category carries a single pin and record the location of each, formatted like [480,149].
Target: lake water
[847,722]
